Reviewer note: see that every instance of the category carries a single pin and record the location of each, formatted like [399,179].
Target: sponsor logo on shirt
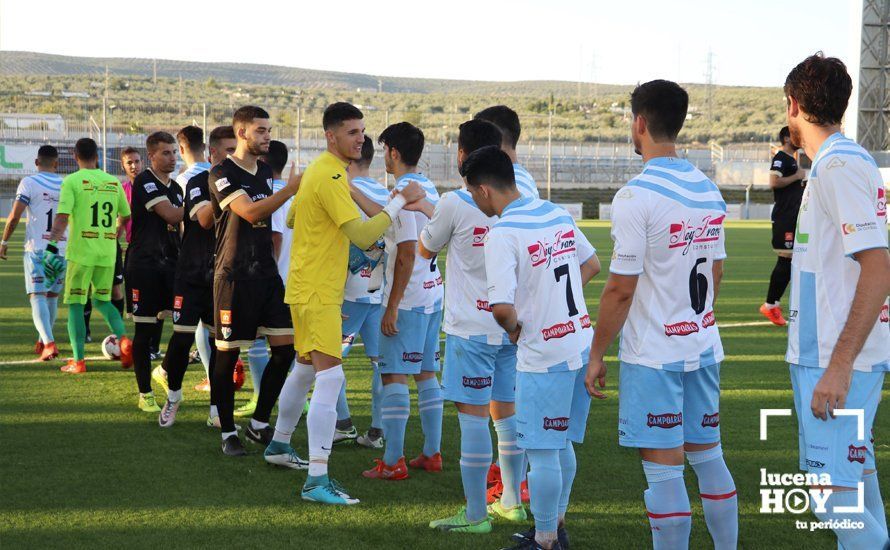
[177,302]
[222,183]
[560,424]
[365,273]
[195,193]
[225,316]
[542,253]
[477,383]
[850,228]
[856,454]
[683,328]
[683,235]
[885,314]
[412,356]
[708,320]
[585,321]
[815,464]
[558,330]
[433,284]
[479,234]
[835,163]
[665,421]
[482,305]
[777,164]
[882,202]
[150,187]
[710,420]
[134,294]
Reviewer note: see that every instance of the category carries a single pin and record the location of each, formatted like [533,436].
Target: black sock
[141,359]
[222,388]
[779,280]
[280,360]
[119,304]
[155,343]
[87,312]
[176,360]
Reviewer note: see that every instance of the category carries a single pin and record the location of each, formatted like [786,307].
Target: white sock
[214,412]
[202,342]
[52,302]
[226,435]
[291,401]
[40,315]
[322,417]
[174,395]
[257,425]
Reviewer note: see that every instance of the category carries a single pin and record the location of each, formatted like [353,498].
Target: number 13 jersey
[533,259]
[667,226]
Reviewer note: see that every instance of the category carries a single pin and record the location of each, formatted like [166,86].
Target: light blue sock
[202,342]
[376,395]
[872,535]
[719,500]
[475,459]
[510,458]
[52,303]
[257,359]
[42,320]
[545,487]
[873,501]
[429,403]
[667,506]
[342,404]
[394,409]
[569,465]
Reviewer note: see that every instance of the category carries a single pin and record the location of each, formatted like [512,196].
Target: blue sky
[755,42]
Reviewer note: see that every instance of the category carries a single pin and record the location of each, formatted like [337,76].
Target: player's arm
[167,212]
[254,211]
[777,181]
[369,207]
[18,207]
[60,225]
[500,270]
[365,233]
[404,266]
[590,264]
[717,274]
[590,269]
[438,231]
[204,216]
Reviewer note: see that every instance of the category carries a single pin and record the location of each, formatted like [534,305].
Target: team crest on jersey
[477,382]
[882,202]
[176,316]
[664,421]
[541,253]
[683,328]
[885,314]
[225,317]
[708,320]
[856,454]
[134,294]
[479,235]
[559,424]
[685,234]
[836,162]
[226,332]
[412,356]
[558,330]
[710,420]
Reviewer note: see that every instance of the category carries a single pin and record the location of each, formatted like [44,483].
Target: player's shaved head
[47,156]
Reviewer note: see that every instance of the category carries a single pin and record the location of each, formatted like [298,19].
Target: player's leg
[257,360]
[143,291]
[355,315]
[77,284]
[117,289]
[370,333]
[36,286]
[783,242]
[701,410]
[87,316]
[186,316]
[429,395]
[290,408]
[236,325]
[202,344]
[511,459]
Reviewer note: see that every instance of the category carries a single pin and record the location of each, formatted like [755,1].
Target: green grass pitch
[83,467]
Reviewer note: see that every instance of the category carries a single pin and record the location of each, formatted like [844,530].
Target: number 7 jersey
[533,259]
[667,226]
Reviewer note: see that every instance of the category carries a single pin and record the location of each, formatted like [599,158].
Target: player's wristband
[392,208]
[4,243]
[53,247]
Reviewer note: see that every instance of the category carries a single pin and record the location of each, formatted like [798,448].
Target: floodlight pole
[549,150]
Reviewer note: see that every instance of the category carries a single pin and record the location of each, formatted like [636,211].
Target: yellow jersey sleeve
[334,198]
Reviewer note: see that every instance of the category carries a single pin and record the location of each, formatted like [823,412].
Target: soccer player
[191,149]
[411,320]
[361,309]
[248,295]
[507,122]
[193,283]
[838,339]
[152,256]
[537,262]
[480,361]
[786,181]
[39,196]
[325,220]
[93,203]
[667,226]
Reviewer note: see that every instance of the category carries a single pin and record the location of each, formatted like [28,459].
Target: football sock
[779,280]
[292,400]
[87,313]
[322,417]
[667,506]
[141,359]
[394,409]
[718,496]
[274,375]
[872,535]
[222,388]
[510,459]
[155,342]
[52,304]
[42,318]
[475,459]
[212,362]
[376,395]
[118,305]
[342,407]
[257,359]
[569,465]
[112,318]
[174,395]
[873,502]
[545,487]
[202,342]
[176,359]
[77,330]
[429,404]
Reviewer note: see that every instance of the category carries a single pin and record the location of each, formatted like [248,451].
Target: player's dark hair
[822,87]
[245,115]
[477,133]
[129,150]
[220,133]
[663,104]
[86,149]
[276,158]
[191,138]
[491,166]
[367,152]
[46,155]
[784,134]
[156,139]
[505,119]
[405,138]
[336,114]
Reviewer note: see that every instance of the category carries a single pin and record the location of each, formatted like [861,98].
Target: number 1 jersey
[667,226]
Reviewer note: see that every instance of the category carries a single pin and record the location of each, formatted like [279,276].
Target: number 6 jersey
[667,226]
[533,259]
